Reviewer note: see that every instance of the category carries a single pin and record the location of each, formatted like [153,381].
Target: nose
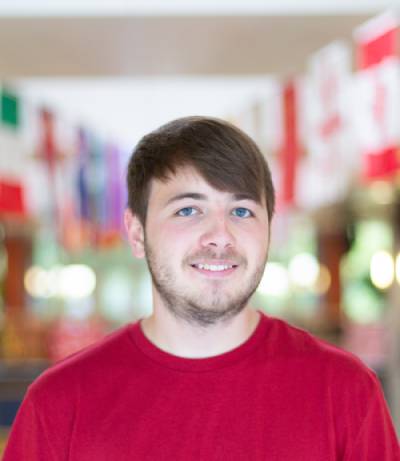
[218,234]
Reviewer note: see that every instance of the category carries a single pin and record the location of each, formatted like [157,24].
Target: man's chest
[206,420]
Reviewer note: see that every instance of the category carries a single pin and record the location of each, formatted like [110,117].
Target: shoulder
[295,345]
[85,366]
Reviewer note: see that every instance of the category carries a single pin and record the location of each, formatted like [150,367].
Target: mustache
[210,254]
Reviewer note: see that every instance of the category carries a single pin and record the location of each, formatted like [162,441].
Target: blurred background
[316,84]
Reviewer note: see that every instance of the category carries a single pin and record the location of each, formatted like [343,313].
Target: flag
[9,108]
[290,148]
[377,96]
[326,171]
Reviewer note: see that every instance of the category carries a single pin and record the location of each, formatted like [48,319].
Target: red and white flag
[376,96]
[330,156]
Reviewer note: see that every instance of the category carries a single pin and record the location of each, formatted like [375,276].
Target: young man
[205,377]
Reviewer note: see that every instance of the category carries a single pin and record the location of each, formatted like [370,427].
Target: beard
[198,307]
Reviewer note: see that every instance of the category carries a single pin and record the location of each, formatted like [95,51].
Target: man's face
[206,249]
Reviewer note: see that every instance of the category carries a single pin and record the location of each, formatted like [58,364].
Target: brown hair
[225,156]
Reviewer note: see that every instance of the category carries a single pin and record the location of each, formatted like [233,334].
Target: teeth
[214,267]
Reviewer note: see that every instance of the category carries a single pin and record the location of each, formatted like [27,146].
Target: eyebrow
[243,196]
[198,196]
[192,195]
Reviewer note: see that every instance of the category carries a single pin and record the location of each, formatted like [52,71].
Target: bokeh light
[275,281]
[382,269]
[304,270]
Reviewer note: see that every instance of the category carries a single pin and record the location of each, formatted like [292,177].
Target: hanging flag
[290,149]
[12,145]
[326,172]
[48,143]
[9,108]
[82,181]
[12,197]
[376,40]
[12,188]
[376,98]
[110,231]
[114,184]
[98,168]
[83,219]
[49,152]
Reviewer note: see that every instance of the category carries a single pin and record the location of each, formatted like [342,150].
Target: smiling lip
[215,268]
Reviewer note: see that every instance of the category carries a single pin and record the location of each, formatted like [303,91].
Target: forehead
[184,179]
[188,179]
[183,175]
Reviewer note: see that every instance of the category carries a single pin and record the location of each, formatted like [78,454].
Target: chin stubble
[189,310]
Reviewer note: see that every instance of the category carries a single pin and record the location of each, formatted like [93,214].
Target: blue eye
[242,212]
[187,211]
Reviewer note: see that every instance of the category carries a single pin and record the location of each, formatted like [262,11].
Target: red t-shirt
[283,395]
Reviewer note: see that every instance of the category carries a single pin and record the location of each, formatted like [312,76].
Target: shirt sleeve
[29,439]
[376,439]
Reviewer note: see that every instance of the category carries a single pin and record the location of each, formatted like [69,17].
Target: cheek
[176,234]
[174,242]
[257,243]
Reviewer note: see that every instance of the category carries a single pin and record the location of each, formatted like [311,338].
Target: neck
[179,338]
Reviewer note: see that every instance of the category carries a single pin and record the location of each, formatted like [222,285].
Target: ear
[135,232]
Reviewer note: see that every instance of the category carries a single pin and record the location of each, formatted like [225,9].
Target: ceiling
[148,61]
[169,45]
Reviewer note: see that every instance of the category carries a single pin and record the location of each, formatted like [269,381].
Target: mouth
[215,270]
